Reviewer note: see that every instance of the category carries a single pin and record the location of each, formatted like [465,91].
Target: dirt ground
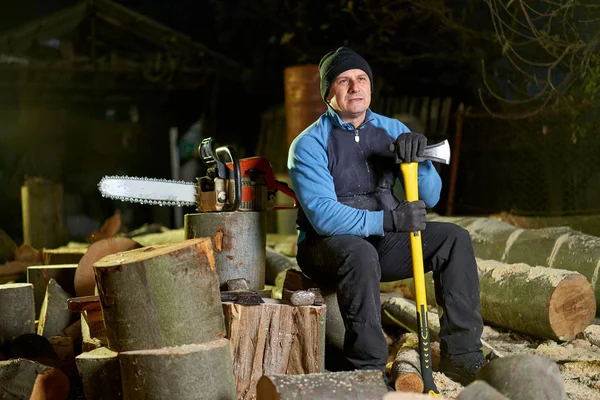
[578,360]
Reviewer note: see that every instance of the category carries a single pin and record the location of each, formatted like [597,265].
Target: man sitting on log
[353,229]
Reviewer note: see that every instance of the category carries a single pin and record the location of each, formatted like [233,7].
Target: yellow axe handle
[411,189]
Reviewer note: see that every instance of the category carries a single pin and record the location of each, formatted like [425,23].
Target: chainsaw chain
[146,201]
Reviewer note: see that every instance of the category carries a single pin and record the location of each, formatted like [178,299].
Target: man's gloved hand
[410,145]
[409,216]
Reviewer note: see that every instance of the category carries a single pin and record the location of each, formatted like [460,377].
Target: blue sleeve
[430,183]
[315,190]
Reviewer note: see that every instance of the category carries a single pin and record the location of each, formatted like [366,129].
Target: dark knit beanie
[336,62]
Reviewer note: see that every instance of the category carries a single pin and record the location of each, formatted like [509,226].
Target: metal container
[239,241]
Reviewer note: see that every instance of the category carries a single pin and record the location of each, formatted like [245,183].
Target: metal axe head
[439,152]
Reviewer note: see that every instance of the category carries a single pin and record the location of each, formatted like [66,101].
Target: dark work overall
[355,266]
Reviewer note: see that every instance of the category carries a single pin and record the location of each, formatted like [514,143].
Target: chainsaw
[229,185]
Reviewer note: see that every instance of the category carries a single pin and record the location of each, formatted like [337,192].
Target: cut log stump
[84,280]
[22,379]
[193,371]
[55,314]
[40,275]
[524,377]
[17,312]
[273,338]
[543,302]
[406,371]
[352,385]
[101,374]
[480,390]
[160,296]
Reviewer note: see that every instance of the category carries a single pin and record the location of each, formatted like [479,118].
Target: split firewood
[74,331]
[298,297]
[480,390]
[40,275]
[63,255]
[17,313]
[238,284]
[12,271]
[192,371]
[524,376]
[28,254]
[65,352]
[32,380]
[55,314]
[109,228]
[592,334]
[100,374]
[406,371]
[359,385]
[85,283]
[543,302]
[33,347]
[160,296]
[294,345]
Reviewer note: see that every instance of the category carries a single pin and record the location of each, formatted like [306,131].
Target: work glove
[409,146]
[409,216]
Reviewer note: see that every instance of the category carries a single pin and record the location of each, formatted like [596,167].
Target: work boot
[462,368]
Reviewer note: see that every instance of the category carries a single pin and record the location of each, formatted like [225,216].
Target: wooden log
[17,314]
[64,348]
[287,245]
[359,385]
[40,275]
[275,264]
[43,214]
[12,271]
[74,331]
[489,238]
[33,347]
[22,379]
[524,376]
[408,396]
[294,344]
[55,314]
[543,302]
[592,334]
[160,296]
[169,236]
[100,374]
[63,255]
[533,246]
[29,254]
[192,371]
[480,390]
[93,333]
[406,371]
[84,279]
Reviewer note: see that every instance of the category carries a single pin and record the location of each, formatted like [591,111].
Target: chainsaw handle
[237,173]
[285,189]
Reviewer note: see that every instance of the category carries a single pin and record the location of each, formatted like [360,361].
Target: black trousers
[356,266]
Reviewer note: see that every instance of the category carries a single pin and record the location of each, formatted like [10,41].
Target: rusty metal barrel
[303,102]
[239,241]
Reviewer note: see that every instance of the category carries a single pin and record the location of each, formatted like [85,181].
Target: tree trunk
[543,302]
[23,379]
[160,296]
[85,282]
[352,385]
[17,314]
[193,371]
[524,376]
[480,390]
[43,214]
[100,373]
[294,343]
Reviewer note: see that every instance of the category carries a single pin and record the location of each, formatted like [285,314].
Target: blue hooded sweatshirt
[343,176]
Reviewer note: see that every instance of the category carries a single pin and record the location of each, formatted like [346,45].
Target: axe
[439,152]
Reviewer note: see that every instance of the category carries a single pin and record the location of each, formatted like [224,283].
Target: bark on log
[85,282]
[63,255]
[283,244]
[17,313]
[294,343]
[40,275]
[160,296]
[275,264]
[22,379]
[100,373]
[65,352]
[55,314]
[524,377]
[193,371]
[352,385]
[406,371]
[592,334]
[480,390]
[43,215]
[543,302]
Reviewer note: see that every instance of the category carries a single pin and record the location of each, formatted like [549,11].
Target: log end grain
[572,307]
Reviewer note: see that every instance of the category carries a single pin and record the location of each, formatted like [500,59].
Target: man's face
[350,93]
